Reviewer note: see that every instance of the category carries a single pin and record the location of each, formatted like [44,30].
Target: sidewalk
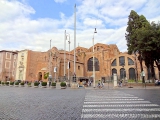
[110,86]
[129,86]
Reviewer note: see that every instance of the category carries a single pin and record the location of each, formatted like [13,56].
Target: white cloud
[59,1]
[92,22]
[18,31]
[13,10]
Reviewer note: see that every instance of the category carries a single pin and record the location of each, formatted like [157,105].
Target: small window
[78,67]
[8,55]
[7,64]
[22,55]
[114,63]
[130,61]
[121,61]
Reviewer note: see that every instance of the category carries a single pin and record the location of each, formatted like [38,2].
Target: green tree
[143,38]
[135,45]
[46,75]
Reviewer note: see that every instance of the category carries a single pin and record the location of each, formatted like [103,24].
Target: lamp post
[50,76]
[94,84]
[69,56]
[8,78]
[74,73]
[65,55]
[55,68]
[65,38]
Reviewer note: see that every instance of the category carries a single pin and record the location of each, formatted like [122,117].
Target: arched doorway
[39,76]
[132,74]
[122,73]
[114,71]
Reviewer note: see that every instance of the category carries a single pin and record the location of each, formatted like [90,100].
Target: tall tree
[144,38]
[135,23]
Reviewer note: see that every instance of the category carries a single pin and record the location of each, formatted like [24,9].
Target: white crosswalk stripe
[113,104]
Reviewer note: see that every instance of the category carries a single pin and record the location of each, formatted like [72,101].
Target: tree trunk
[140,59]
[158,66]
[153,73]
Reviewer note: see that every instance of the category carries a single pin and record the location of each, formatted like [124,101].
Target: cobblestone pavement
[23,103]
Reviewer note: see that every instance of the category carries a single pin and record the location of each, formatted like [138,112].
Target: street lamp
[65,38]
[55,68]
[94,84]
[65,55]
[69,55]
[50,75]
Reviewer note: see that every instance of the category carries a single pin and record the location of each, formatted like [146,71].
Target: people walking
[99,84]
[102,84]
[89,83]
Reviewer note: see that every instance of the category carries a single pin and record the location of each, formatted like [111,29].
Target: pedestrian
[40,83]
[89,83]
[49,83]
[102,84]
[121,83]
[99,84]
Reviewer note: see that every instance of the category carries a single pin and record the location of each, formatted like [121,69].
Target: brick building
[33,65]
[8,61]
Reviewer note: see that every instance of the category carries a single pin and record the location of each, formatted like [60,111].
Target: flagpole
[64,54]
[69,60]
[50,76]
[75,43]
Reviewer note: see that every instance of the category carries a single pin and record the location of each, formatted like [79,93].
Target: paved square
[23,103]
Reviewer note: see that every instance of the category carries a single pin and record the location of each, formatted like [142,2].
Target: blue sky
[31,24]
[50,8]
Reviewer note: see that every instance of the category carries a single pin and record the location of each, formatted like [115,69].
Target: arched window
[90,64]
[114,63]
[130,61]
[132,74]
[122,73]
[121,61]
[114,71]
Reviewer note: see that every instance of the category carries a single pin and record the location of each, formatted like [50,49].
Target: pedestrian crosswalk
[113,104]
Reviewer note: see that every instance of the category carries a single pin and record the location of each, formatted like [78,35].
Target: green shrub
[22,83]
[44,83]
[131,81]
[16,83]
[63,84]
[0,82]
[54,84]
[7,83]
[11,83]
[29,83]
[36,83]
